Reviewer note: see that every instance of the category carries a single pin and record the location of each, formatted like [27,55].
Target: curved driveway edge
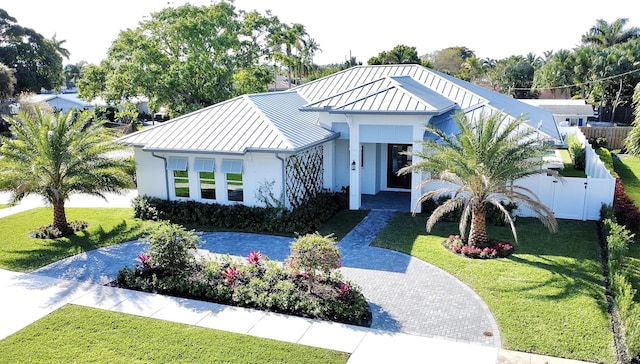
[406,294]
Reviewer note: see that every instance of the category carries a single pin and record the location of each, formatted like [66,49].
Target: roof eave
[394,112]
[243,152]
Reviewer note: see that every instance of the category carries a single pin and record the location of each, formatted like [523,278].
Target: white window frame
[205,165]
[179,164]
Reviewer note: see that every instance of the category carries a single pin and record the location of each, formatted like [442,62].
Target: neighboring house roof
[259,122]
[58,100]
[288,120]
[578,108]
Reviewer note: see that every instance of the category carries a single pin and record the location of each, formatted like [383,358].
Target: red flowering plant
[498,250]
[147,262]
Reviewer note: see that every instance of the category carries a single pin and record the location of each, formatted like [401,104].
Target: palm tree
[480,165]
[55,155]
[57,45]
[605,34]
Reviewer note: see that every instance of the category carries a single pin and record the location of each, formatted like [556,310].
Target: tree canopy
[607,34]
[189,57]
[450,60]
[398,55]
[36,60]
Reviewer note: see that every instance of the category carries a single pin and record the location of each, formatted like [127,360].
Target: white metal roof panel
[465,94]
[269,121]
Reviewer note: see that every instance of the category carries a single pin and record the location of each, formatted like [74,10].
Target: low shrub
[598,142]
[618,238]
[314,256]
[494,250]
[605,156]
[52,232]
[577,152]
[171,247]
[303,220]
[256,282]
[624,209]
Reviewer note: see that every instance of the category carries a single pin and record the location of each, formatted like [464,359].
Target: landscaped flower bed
[306,285]
[499,249]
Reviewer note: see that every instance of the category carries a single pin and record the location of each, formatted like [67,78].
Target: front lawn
[75,334]
[548,297]
[20,252]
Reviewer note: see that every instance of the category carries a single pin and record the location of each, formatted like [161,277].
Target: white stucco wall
[150,172]
[257,168]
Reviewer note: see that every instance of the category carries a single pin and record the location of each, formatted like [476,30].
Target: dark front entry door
[396,159]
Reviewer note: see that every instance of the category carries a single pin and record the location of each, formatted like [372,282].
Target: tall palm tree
[480,165]
[55,155]
[605,34]
[57,45]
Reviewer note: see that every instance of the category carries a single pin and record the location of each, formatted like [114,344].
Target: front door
[396,159]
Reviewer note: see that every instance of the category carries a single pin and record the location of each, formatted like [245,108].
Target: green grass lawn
[548,297]
[2,206]
[628,168]
[20,252]
[75,334]
[569,170]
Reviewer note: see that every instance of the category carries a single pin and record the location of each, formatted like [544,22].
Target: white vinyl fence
[571,197]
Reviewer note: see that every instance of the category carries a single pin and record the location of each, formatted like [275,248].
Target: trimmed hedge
[625,210]
[305,219]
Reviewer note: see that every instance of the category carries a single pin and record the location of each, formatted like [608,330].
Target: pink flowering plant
[146,260]
[457,245]
[308,283]
[254,258]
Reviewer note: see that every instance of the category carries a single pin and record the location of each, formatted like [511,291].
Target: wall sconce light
[353,165]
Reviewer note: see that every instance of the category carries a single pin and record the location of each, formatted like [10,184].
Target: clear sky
[363,28]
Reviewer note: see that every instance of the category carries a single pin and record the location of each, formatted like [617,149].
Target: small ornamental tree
[171,247]
[314,256]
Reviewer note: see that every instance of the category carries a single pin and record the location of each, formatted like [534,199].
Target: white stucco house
[62,102]
[344,130]
[566,112]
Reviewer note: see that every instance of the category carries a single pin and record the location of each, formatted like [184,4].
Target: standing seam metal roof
[269,121]
[288,120]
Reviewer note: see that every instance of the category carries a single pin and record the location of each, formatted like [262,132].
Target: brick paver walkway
[406,294]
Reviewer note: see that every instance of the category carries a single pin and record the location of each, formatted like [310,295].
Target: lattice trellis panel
[304,175]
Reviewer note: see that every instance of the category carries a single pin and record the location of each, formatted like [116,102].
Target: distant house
[141,103]
[349,129]
[565,112]
[62,102]
[281,83]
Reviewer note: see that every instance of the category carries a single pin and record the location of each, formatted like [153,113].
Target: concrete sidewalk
[34,296]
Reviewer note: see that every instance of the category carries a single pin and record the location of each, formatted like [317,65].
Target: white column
[416,177]
[354,166]
[328,164]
